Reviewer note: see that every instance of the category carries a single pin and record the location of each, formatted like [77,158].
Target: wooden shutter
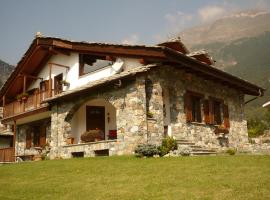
[211,111]
[42,139]
[28,139]
[187,107]
[226,116]
[206,111]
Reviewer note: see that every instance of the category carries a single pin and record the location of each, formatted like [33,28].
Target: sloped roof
[43,47]
[203,56]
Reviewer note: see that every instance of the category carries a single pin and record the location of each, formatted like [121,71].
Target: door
[58,88]
[44,89]
[95,118]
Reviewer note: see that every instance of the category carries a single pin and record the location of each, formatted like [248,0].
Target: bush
[168,144]
[148,150]
[231,152]
[256,127]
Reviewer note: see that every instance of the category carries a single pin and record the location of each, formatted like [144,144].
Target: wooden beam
[4,103]
[50,79]
[24,83]
[14,137]
[59,51]
[30,76]
[59,65]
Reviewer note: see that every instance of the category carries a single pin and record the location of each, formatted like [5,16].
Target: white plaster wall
[72,75]
[78,122]
[130,63]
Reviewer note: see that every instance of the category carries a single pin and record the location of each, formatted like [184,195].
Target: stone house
[128,94]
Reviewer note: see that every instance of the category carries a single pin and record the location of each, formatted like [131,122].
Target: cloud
[178,20]
[210,13]
[132,39]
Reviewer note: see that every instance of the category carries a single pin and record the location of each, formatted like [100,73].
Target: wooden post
[24,83]
[14,139]
[50,80]
[4,103]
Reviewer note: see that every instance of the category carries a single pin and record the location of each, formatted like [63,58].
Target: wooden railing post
[50,79]
[4,104]
[14,139]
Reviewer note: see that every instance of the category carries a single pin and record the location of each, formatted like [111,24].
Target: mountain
[5,70]
[240,44]
[229,28]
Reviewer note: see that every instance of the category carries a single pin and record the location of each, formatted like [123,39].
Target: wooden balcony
[32,102]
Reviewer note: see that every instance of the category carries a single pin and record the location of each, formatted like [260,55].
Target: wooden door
[95,118]
[58,88]
[42,139]
[44,89]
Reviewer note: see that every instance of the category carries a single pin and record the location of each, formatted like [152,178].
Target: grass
[214,177]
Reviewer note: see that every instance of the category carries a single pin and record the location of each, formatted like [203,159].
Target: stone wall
[21,138]
[129,101]
[177,83]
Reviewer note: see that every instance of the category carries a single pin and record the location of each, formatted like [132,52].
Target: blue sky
[115,21]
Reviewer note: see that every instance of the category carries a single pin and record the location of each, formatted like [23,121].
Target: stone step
[202,150]
[185,143]
[201,153]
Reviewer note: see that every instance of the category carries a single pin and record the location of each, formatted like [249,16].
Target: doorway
[95,119]
[58,87]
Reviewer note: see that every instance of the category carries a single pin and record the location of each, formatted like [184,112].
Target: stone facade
[129,101]
[139,105]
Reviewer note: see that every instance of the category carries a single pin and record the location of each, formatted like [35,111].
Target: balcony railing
[32,102]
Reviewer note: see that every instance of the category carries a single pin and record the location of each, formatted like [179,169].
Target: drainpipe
[260,94]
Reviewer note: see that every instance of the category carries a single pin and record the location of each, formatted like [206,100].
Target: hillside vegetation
[5,70]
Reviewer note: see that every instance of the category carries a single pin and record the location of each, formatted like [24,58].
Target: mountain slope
[241,46]
[5,70]
[230,28]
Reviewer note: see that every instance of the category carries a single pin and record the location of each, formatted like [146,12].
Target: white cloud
[132,39]
[210,13]
[178,20]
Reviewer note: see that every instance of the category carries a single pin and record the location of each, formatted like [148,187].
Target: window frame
[98,57]
[190,96]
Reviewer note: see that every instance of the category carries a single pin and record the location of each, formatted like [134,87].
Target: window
[217,112]
[39,137]
[193,106]
[58,87]
[90,63]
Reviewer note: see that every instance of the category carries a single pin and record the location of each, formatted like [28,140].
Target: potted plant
[23,96]
[70,139]
[221,129]
[65,83]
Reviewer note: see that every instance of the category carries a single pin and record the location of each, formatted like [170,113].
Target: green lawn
[212,177]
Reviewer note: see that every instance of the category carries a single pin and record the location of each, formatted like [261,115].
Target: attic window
[91,63]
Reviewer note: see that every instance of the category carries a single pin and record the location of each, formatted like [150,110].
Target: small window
[77,154]
[103,152]
[90,63]
[193,103]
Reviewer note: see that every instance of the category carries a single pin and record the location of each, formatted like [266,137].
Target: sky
[112,21]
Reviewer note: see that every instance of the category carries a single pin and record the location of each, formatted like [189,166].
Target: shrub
[168,144]
[257,127]
[148,150]
[231,152]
